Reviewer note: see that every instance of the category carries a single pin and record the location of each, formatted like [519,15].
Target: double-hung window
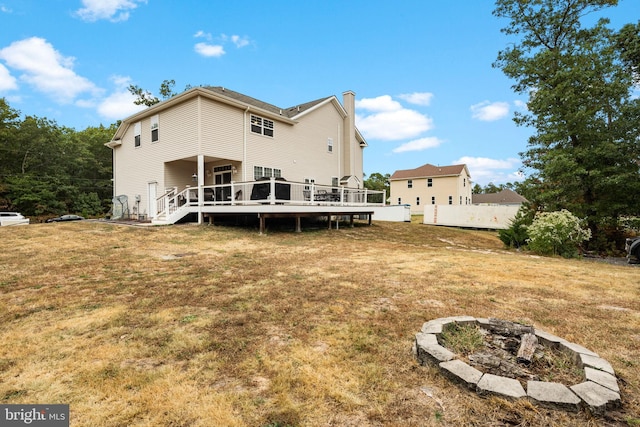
[262,126]
[154,128]
[136,134]
[429,182]
[410,183]
[330,145]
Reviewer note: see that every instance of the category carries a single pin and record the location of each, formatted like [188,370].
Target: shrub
[557,233]
[516,235]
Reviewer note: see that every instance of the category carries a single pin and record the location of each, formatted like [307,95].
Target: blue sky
[421,69]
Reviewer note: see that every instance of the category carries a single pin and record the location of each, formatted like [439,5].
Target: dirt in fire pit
[494,353]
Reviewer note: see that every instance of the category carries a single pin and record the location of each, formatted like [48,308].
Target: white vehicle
[12,218]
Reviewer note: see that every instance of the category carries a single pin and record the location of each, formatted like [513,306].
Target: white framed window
[137,130]
[417,201]
[433,200]
[464,182]
[262,126]
[429,182]
[308,182]
[399,200]
[154,128]
[410,183]
[450,200]
[460,199]
[330,145]
[265,172]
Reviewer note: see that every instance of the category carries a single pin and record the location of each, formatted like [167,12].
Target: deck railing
[268,191]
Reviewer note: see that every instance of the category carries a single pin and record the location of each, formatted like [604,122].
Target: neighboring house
[212,136]
[503,197]
[431,185]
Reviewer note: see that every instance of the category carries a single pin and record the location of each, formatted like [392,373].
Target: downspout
[244,145]
[200,164]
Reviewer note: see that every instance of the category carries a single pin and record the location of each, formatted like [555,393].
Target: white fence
[473,216]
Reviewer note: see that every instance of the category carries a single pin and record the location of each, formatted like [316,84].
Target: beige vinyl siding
[442,188]
[300,151]
[222,130]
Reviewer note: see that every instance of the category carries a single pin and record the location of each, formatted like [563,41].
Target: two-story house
[433,185]
[212,138]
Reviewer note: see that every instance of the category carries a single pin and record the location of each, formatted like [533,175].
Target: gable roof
[503,197]
[230,97]
[429,170]
[286,112]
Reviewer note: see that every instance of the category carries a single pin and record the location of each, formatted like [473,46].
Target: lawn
[220,326]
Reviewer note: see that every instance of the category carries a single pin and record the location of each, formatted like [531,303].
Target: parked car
[65,218]
[12,218]
[632,246]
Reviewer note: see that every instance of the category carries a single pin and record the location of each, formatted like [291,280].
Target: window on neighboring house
[417,201]
[399,200]
[154,128]
[450,200]
[433,200]
[410,183]
[460,199]
[264,172]
[136,132]
[330,145]
[464,182]
[429,182]
[261,126]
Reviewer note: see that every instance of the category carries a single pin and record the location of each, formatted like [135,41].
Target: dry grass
[215,326]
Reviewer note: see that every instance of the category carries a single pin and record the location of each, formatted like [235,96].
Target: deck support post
[298,224]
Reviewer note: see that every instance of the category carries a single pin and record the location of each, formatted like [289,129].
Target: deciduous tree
[585,150]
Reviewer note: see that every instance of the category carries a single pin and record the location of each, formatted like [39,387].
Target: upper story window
[464,182]
[136,134]
[410,183]
[330,145]
[261,126]
[154,128]
[429,182]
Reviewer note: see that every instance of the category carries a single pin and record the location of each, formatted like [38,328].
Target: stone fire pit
[597,391]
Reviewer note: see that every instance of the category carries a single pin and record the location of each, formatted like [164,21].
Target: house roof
[429,170]
[287,112]
[287,115]
[503,197]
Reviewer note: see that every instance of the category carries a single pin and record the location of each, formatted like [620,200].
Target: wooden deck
[268,199]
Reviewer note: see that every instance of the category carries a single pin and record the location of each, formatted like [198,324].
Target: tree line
[48,170]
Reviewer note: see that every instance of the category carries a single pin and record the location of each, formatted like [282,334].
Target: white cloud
[419,144]
[112,10]
[5,9]
[201,34]
[389,120]
[380,103]
[208,50]
[240,41]
[484,170]
[46,69]
[119,104]
[417,98]
[490,111]
[7,81]
[520,105]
